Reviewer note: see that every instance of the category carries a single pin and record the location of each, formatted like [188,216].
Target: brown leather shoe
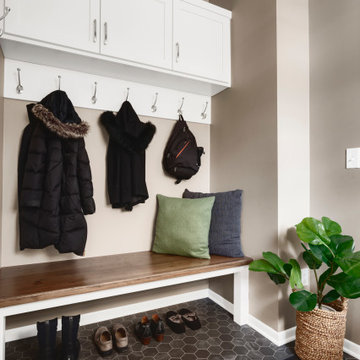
[157,327]
[103,341]
[143,331]
[121,340]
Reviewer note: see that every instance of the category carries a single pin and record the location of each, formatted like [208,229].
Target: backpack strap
[181,118]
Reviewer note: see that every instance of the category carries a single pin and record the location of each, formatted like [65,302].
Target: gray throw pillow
[224,235]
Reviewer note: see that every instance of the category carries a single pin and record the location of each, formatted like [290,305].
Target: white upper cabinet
[201,40]
[137,30]
[69,23]
[178,43]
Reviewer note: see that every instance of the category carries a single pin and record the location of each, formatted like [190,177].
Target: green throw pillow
[182,226]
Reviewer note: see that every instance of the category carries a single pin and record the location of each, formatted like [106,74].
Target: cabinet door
[137,30]
[68,23]
[201,41]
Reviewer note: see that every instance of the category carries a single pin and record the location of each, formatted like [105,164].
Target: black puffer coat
[54,178]
[128,140]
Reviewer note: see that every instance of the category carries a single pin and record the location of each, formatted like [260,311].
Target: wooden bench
[35,287]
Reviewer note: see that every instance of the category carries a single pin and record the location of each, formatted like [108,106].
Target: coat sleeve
[85,181]
[33,171]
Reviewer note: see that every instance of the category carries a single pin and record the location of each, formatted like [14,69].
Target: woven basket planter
[320,333]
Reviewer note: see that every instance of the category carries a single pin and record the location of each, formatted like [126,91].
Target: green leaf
[342,244]
[331,227]
[346,285]
[332,295]
[262,265]
[275,261]
[322,253]
[325,275]
[311,260]
[287,268]
[312,231]
[350,264]
[295,275]
[303,300]
[277,278]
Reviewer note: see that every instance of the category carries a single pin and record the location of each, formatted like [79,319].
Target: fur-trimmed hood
[126,129]
[57,113]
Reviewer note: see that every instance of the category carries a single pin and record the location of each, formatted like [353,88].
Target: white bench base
[240,307]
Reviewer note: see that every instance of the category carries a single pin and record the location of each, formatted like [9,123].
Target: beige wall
[244,141]
[260,139]
[110,231]
[335,120]
[1,142]
[293,137]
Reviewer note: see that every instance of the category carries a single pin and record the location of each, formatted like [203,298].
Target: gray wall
[335,120]
[244,141]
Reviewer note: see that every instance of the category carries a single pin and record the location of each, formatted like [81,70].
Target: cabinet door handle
[95,31]
[105,33]
[177,51]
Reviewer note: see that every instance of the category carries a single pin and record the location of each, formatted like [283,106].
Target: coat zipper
[185,146]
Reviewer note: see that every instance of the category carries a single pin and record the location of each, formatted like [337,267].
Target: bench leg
[241,296]
[2,336]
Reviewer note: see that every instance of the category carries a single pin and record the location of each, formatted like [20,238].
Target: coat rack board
[31,82]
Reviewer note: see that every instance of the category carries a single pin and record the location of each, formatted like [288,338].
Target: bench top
[29,283]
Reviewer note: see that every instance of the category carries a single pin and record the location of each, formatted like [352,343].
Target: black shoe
[143,331]
[190,319]
[157,328]
[175,322]
[70,342]
[46,334]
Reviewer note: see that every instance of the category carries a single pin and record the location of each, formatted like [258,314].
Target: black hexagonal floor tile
[218,339]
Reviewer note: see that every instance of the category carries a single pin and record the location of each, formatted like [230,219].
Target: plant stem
[319,292]
[330,250]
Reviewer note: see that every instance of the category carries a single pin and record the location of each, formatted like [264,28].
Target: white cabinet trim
[39,80]
[215,9]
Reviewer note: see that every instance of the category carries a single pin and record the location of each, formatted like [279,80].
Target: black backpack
[182,155]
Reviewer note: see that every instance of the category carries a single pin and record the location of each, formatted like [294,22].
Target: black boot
[46,334]
[70,342]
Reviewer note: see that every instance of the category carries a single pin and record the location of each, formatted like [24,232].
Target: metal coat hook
[6,12]
[19,88]
[127,94]
[59,79]
[154,107]
[180,108]
[94,98]
[203,114]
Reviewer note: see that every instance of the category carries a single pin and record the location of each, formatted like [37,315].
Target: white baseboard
[352,349]
[279,338]
[225,304]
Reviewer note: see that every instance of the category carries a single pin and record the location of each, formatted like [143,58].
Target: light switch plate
[353,158]
[305,277]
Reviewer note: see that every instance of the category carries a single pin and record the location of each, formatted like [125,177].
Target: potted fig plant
[330,255]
